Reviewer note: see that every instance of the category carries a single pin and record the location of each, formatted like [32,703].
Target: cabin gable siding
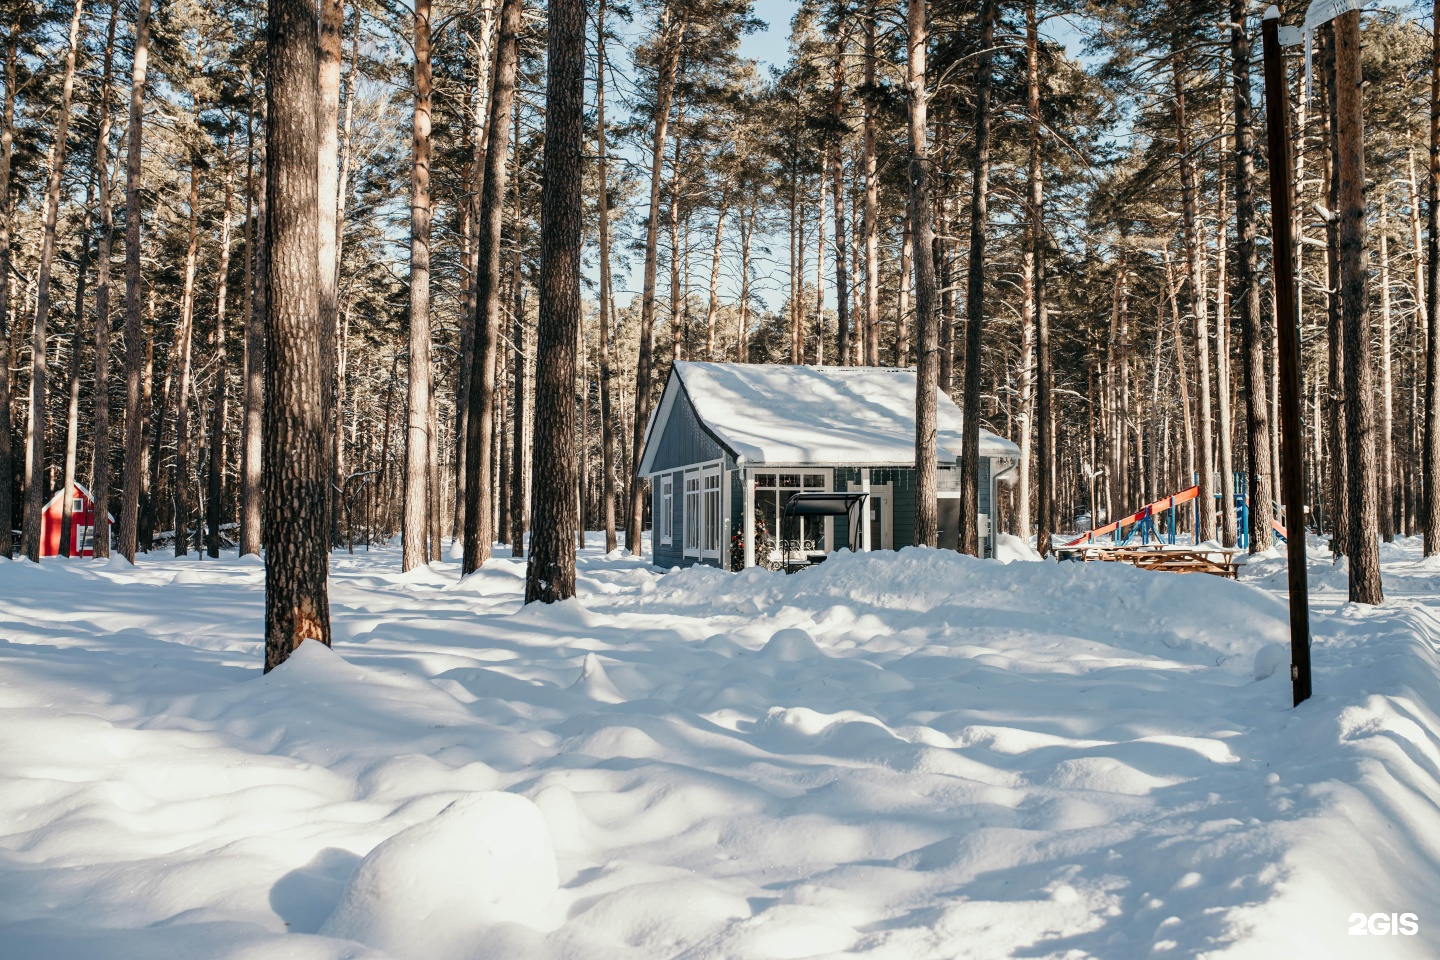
[683,439]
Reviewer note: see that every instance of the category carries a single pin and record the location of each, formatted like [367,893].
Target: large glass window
[772,529]
[712,512]
[667,510]
[692,513]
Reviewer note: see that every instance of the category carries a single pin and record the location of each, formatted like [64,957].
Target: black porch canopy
[823,503]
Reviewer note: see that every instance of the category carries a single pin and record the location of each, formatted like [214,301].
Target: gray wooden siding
[683,441]
[671,554]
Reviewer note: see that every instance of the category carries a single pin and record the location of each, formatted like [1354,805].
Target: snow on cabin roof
[772,413]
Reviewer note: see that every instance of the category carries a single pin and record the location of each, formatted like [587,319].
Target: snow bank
[433,891]
[907,755]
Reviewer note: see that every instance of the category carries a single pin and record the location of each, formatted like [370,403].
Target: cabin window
[692,514]
[667,510]
[772,528]
[713,512]
[77,505]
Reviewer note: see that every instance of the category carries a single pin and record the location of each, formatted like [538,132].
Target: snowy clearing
[912,755]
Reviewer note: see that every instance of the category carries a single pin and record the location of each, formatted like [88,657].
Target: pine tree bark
[184,333]
[295,484]
[1247,292]
[486,359]
[969,541]
[1363,542]
[871,225]
[1035,262]
[135,472]
[215,471]
[712,305]
[332,27]
[837,186]
[519,482]
[416,528]
[257,286]
[1199,311]
[672,31]
[1430,480]
[1387,385]
[72,408]
[100,463]
[39,370]
[550,573]
[607,414]
[1335,329]
[904,346]
[475,185]
[7,135]
[927,373]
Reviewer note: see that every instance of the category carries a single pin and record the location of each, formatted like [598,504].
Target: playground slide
[1149,510]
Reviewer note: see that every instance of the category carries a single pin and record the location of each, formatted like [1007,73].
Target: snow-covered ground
[912,755]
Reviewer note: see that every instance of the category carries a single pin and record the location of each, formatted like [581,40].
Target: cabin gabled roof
[779,414]
[84,492]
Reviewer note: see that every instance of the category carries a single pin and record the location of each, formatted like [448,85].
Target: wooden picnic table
[1216,561]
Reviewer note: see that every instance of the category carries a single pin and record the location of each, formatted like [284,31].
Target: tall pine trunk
[1363,541]
[1035,260]
[100,463]
[1247,291]
[837,195]
[297,606]
[550,573]
[416,527]
[1430,480]
[257,286]
[927,374]
[672,30]
[332,28]
[486,358]
[183,335]
[39,371]
[871,224]
[135,340]
[607,415]
[1199,311]
[72,407]
[215,471]
[975,290]
[7,134]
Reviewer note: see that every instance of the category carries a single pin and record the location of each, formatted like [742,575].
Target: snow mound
[433,892]
[1269,658]
[1009,549]
[790,646]
[595,683]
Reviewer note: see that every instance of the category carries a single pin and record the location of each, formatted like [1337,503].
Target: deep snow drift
[911,755]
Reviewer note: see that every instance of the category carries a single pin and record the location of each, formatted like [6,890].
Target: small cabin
[730,443]
[82,524]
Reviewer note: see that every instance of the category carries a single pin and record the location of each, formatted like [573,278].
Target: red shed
[82,520]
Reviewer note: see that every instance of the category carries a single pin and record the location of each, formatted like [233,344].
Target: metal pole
[1292,476]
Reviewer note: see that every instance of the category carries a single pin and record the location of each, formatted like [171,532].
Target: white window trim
[698,472]
[712,516]
[690,523]
[827,472]
[667,509]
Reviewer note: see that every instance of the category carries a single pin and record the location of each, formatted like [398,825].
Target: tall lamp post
[1282,218]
